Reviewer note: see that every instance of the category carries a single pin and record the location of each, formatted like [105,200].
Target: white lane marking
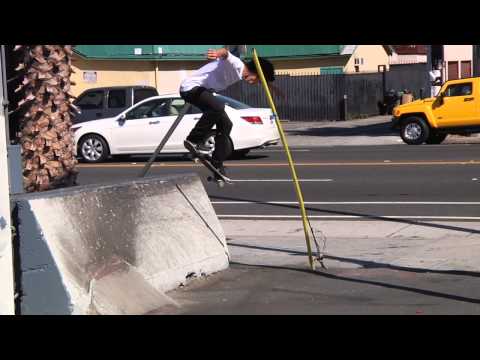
[282,180]
[349,217]
[349,202]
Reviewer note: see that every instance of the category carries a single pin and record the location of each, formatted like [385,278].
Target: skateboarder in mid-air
[225,70]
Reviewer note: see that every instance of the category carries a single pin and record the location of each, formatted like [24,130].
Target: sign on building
[90,76]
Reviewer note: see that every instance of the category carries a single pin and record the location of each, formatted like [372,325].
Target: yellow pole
[290,160]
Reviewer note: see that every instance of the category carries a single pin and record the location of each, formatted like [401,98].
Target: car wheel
[414,131]
[436,138]
[93,148]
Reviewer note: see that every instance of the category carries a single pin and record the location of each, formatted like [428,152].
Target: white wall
[6,259]
[456,53]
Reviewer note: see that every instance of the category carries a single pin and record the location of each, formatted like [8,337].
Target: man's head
[250,74]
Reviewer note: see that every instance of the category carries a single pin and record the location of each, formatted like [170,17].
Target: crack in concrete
[397,231]
[36,268]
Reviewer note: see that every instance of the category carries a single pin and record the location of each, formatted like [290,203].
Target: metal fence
[413,77]
[313,97]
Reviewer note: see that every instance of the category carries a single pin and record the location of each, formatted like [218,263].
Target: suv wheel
[414,131]
[436,138]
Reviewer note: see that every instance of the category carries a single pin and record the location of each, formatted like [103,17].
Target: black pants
[213,114]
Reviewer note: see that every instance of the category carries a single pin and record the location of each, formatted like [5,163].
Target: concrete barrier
[116,248]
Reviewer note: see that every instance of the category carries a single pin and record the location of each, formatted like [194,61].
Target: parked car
[456,110]
[98,103]
[139,129]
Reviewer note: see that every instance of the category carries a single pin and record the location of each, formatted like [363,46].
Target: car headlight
[396,112]
[75,129]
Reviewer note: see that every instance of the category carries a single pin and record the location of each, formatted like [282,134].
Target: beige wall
[373,55]
[166,75]
[112,73]
[171,73]
[457,52]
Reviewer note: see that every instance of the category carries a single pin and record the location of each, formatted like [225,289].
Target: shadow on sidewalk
[367,282]
[366,264]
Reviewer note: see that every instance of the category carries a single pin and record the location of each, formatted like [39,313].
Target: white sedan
[139,129]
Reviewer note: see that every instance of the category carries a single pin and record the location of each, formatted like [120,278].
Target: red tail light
[253,119]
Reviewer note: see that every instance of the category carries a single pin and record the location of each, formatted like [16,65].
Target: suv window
[177,105]
[154,108]
[464,89]
[91,100]
[142,94]
[117,99]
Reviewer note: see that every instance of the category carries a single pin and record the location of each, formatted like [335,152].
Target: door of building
[452,70]
[466,69]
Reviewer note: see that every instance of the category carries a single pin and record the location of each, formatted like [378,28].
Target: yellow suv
[456,110]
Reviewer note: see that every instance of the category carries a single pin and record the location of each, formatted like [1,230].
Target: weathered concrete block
[165,228]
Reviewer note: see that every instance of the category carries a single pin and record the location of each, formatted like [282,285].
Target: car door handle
[469,99]
[154,122]
[196,118]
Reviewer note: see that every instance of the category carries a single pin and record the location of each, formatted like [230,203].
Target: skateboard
[204,159]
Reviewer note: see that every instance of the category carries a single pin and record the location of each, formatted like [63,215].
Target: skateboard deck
[217,175]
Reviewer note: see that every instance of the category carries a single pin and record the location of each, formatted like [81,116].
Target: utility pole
[476,60]
[7,304]
[428,89]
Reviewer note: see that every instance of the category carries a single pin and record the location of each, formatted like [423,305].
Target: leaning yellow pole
[290,160]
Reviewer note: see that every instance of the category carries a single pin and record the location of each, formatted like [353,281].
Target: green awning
[144,52]
[197,52]
[294,51]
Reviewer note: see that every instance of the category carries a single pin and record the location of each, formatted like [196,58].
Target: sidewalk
[414,269]
[358,244]
[370,131]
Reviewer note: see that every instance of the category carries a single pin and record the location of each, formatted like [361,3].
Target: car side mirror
[121,120]
[440,97]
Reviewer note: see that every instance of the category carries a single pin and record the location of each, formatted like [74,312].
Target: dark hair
[267,68]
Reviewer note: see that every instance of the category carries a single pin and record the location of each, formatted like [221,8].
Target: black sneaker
[200,148]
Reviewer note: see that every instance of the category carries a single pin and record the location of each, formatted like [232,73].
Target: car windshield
[237,105]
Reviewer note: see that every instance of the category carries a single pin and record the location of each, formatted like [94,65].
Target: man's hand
[213,54]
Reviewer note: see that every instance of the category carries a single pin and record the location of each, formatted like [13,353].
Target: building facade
[457,62]
[164,66]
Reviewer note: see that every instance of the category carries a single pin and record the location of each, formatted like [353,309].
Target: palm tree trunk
[45,127]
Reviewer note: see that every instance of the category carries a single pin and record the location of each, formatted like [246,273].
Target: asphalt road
[440,182]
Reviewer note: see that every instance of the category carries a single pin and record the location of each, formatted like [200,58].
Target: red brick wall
[410,49]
